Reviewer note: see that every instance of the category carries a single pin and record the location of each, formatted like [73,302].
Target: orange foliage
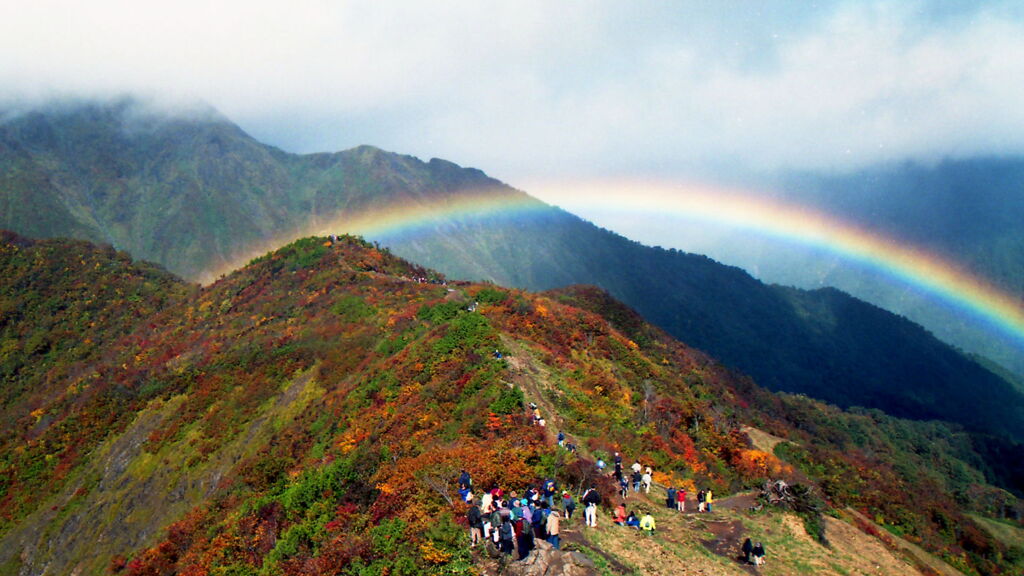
[757,464]
[684,446]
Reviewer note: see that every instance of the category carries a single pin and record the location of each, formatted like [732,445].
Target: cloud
[530,89]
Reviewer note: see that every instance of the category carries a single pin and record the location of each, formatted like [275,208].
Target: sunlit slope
[308,413]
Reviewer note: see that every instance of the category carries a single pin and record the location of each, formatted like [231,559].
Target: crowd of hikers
[514,521]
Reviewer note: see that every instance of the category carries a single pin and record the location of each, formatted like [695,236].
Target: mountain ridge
[207,194]
[296,415]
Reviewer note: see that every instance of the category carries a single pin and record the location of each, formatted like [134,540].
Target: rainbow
[917,268]
[912,266]
[385,223]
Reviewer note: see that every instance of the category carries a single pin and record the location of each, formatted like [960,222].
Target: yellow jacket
[647,522]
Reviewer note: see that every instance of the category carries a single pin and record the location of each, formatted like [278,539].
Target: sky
[534,91]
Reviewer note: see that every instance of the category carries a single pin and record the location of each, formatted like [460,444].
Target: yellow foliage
[433,555]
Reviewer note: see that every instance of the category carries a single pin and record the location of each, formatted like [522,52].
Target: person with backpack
[647,524]
[524,535]
[623,488]
[552,528]
[465,482]
[636,481]
[476,523]
[646,480]
[591,499]
[525,511]
[670,498]
[506,537]
[568,505]
[495,524]
[539,520]
[700,501]
[550,488]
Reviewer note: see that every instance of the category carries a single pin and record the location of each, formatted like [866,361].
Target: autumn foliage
[353,392]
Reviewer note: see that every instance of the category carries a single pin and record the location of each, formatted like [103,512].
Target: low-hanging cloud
[532,89]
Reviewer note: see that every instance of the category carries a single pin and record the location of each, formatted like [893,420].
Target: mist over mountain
[195,193]
[965,210]
[308,413]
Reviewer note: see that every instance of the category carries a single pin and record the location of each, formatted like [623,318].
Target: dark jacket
[474,517]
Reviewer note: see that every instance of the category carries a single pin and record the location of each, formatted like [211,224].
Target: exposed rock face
[544,561]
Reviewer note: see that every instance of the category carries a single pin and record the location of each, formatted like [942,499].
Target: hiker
[748,548]
[540,521]
[618,466]
[700,501]
[524,533]
[591,498]
[465,482]
[620,514]
[486,509]
[637,467]
[524,511]
[550,488]
[600,466]
[623,488]
[561,439]
[758,554]
[647,523]
[506,537]
[636,481]
[568,505]
[646,480]
[552,528]
[476,524]
[496,524]
[670,498]
[708,499]
[632,520]
[681,500]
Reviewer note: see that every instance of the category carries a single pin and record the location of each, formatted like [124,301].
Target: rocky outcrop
[544,560]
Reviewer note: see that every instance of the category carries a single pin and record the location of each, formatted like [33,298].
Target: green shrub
[510,401]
